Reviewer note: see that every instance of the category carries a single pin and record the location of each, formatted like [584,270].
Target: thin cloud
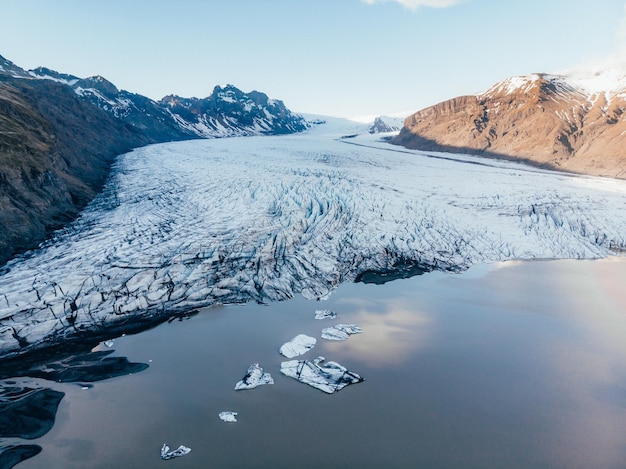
[415,4]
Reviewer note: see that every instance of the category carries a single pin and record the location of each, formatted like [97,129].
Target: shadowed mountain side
[59,135]
[55,154]
[416,142]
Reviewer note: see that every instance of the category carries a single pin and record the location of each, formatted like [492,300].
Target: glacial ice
[228,416]
[325,314]
[340,331]
[329,377]
[190,224]
[297,346]
[253,378]
[180,451]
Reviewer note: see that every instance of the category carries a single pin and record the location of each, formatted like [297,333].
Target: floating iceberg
[228,416]
[180,451]
[254,377]
[325,314]
[330,377]
[297,346]
[340,331]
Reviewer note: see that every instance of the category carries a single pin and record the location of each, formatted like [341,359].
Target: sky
[333,57]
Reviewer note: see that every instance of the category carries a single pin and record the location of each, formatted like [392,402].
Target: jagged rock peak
[9,68]
[99,83]
[45,73]
[383,124]
[226,91]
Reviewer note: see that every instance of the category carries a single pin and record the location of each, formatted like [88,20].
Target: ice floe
[325,314]
[253,378]
[297,346]
[340,331]
[329,377]
[228,416]
[180,451]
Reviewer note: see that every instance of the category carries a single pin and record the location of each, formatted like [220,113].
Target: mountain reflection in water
[28,408]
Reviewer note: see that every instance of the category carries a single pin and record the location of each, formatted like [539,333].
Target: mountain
[55,154]
[227,112]
[385,124]
[59,135]
[573,122]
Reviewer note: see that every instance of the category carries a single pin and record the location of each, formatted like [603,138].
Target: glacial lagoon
[515,364]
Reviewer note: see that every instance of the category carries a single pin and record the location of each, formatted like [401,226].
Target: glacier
[186,225]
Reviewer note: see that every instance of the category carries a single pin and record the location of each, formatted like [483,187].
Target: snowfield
[186,225]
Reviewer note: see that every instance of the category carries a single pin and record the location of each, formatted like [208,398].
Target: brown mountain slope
[55,153]
[540,119]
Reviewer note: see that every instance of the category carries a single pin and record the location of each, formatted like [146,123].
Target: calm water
[509,365]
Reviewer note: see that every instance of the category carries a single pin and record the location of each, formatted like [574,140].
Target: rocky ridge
[60,133]
[572,122]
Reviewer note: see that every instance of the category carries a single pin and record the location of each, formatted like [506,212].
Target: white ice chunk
[340,331]
[180,451]
[228,416]
[254,377]
[329,378]
[325,314]
[297,346]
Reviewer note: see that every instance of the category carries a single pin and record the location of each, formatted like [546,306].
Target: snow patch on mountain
[602,79]
[227,112]
[610,81]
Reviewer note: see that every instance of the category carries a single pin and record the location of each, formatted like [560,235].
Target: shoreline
[451,363]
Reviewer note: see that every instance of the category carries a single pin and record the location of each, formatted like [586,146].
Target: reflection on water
[88,367]
[394,330]
[27,412]
[28,408]
[10,455]
[512,365]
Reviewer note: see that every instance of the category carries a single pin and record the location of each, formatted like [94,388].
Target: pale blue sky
[334,57]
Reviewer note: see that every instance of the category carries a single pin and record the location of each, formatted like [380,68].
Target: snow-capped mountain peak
[574,121]
[226,112]
[532,84]
[44,73]
[9,68]
[610,79]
